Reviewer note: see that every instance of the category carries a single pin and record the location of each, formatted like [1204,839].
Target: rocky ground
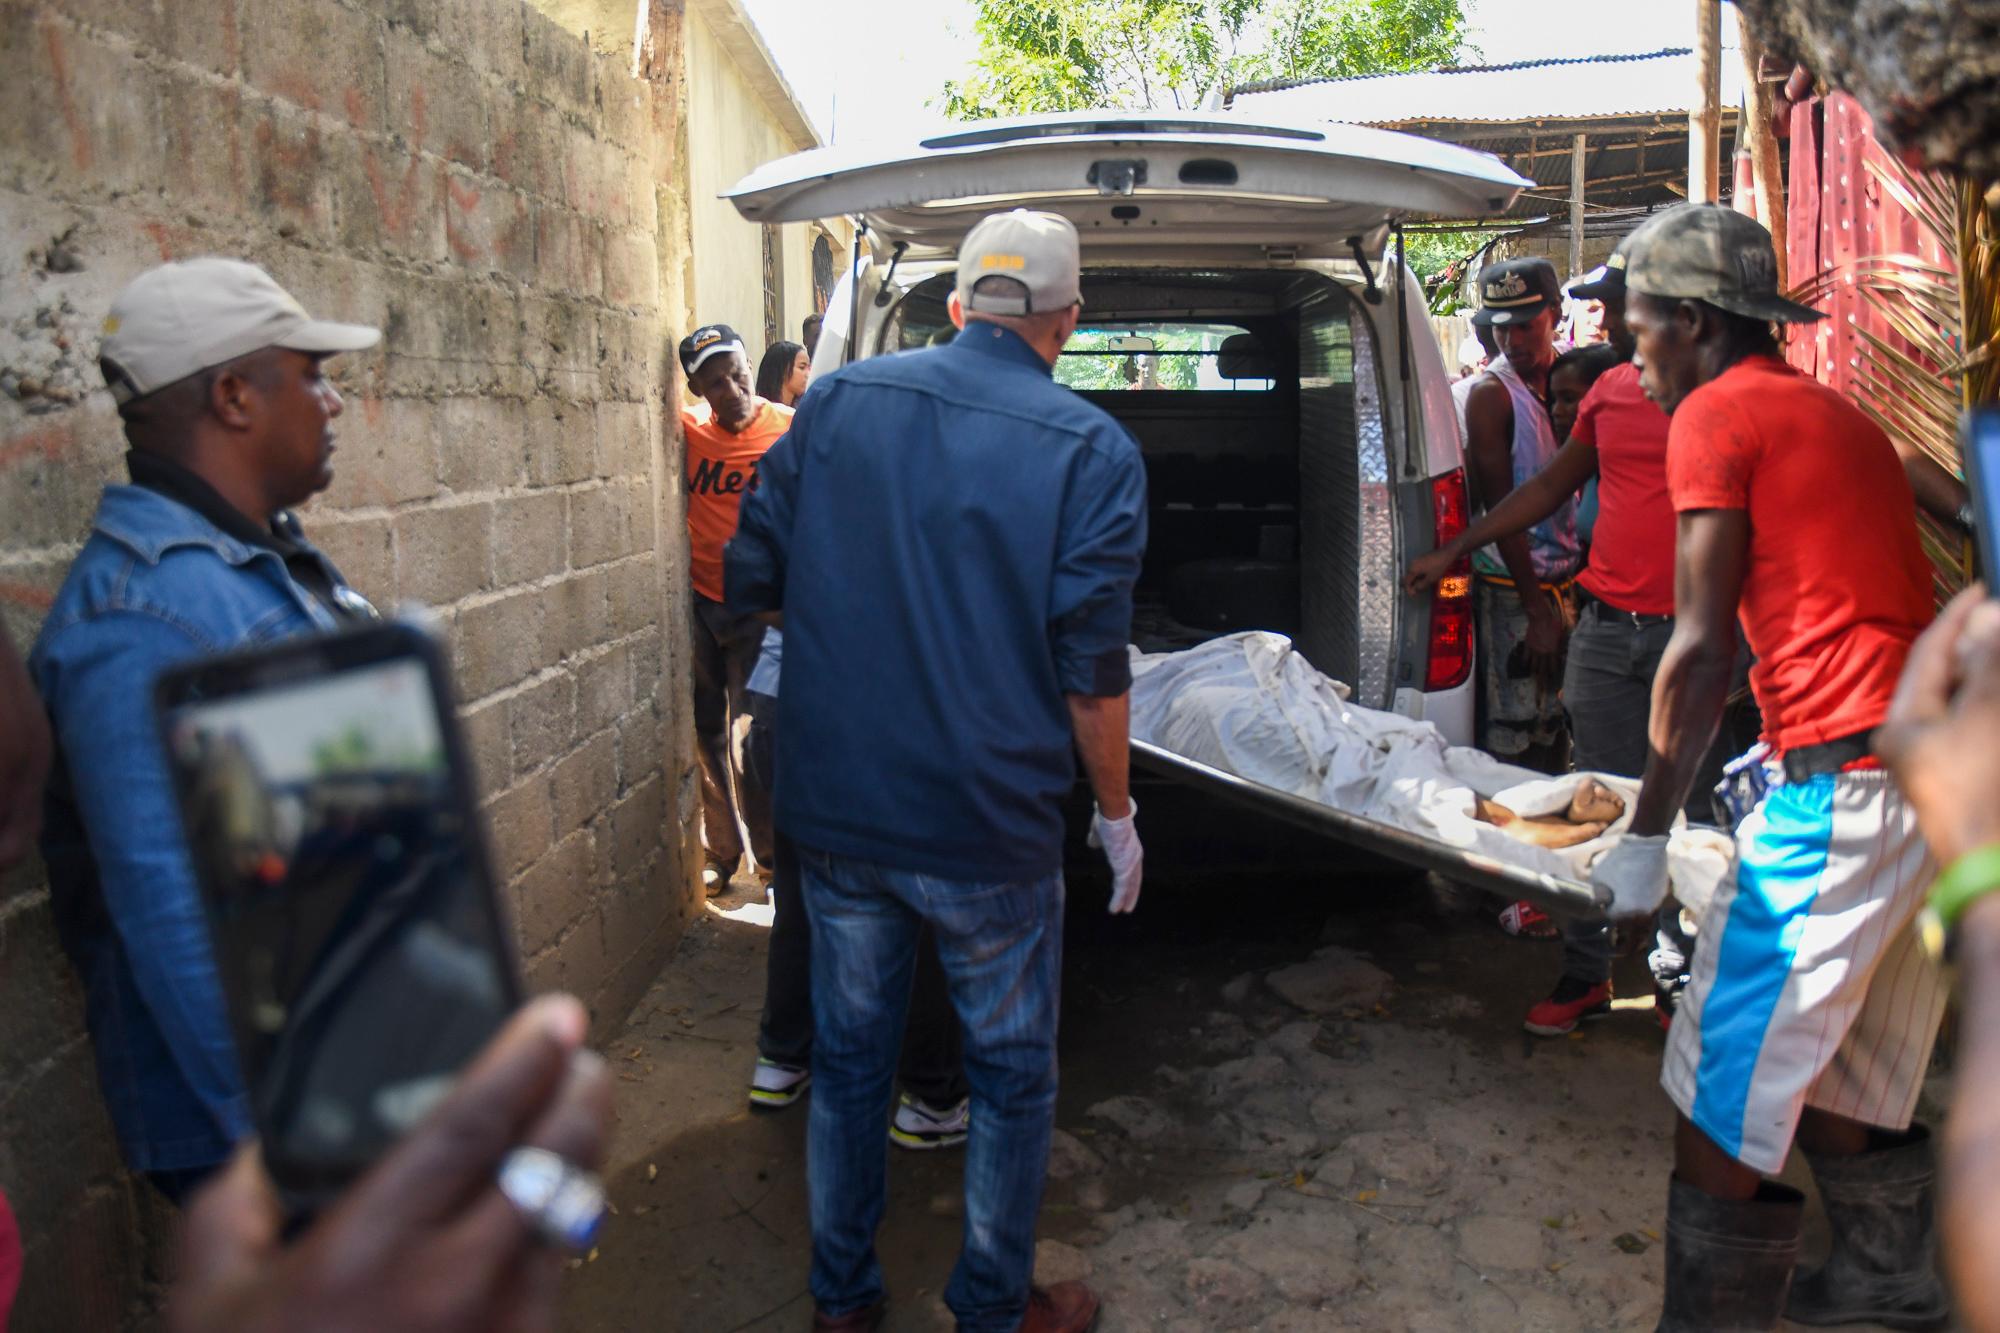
[1289,1103]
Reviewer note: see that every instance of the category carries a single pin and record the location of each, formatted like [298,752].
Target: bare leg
[1700,1163]
[1825,1134]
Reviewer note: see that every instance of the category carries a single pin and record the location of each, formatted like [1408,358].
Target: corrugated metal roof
[1580,88]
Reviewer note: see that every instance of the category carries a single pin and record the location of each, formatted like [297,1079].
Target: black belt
[1809,761]
[1634,617]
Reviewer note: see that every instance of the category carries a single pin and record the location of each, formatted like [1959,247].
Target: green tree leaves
[1073,55]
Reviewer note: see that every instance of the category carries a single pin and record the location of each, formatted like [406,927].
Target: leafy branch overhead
[1072,55]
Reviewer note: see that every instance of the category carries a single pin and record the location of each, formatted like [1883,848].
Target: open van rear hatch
[1215,184]
[1139,179]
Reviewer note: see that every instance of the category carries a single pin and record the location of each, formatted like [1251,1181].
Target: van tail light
[1451,608]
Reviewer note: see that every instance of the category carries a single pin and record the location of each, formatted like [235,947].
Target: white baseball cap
[1032,259]
[183,317]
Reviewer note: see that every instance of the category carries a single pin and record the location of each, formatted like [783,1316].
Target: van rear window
[1217,357]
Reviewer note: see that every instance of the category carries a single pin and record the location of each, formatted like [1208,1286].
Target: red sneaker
[1570,1003]
[1528,921]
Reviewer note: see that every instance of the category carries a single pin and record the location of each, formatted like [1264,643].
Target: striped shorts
[1810,986]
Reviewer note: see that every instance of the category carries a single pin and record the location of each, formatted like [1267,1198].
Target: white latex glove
[1631,878]
[1119,840]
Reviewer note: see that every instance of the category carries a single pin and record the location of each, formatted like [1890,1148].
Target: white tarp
[1251,705]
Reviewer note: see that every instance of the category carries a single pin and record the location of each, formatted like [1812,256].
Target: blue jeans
[931,1067]
[1001,946]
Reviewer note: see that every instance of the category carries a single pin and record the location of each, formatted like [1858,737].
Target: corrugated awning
[1586,87]
[1632,111]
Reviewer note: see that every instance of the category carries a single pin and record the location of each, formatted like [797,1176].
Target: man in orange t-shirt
[727,434]
[1812,1006]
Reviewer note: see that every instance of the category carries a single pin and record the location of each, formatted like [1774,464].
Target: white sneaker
[920,1126]
[774,1086]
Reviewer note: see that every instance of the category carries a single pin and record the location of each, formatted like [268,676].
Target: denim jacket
[156,584]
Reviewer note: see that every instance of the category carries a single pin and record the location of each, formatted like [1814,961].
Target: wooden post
[1705,115]
[1765,164]
[1576,208]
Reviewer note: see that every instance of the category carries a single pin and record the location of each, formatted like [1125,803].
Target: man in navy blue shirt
[952,539]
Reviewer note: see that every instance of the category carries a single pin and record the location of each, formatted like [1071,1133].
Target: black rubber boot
[1728,1263]
[1882,1208]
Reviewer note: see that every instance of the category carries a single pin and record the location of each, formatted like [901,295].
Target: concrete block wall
[472,178]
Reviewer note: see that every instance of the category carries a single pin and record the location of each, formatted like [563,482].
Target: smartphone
[365,956]
[1979,446]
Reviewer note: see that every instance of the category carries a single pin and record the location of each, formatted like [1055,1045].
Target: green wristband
[1965,881]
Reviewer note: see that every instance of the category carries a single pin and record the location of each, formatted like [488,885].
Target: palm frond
[1927,197]
[1934,344]
[1978,248]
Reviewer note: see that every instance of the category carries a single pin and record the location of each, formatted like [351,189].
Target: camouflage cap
[1712,253]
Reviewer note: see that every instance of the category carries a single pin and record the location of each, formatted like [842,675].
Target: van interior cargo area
[1241,389]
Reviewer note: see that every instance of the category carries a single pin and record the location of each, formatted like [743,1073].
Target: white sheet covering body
[1251,705]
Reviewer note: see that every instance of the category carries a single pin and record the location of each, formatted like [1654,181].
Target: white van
[1246,317]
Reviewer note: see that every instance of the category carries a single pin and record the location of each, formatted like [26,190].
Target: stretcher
[1247,719]
[1554,894]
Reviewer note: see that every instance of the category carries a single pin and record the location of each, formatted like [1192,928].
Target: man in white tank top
[1524,592]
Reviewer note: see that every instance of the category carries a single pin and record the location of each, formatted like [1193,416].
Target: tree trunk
[1705,116]
[1766,164]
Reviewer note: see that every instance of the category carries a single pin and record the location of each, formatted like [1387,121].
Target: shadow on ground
[1289,1102]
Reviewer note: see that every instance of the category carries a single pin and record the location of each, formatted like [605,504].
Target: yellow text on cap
[1002,261]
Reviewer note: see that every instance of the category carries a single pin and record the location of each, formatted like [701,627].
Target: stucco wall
[730,132]
[470,177]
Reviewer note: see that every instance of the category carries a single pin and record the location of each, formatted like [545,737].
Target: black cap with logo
[1514,291]
[707,341]
[1607,279]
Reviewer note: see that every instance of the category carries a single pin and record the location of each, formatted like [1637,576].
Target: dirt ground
[1289,1102]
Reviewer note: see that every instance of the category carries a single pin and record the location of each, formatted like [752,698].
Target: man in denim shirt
[952,539]
[217,373]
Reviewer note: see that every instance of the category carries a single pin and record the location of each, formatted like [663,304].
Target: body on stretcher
[1247,717]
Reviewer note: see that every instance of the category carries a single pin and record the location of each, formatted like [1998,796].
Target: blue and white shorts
[1810,985]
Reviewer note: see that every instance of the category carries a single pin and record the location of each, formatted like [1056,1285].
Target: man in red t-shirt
[1813,1007]
[727,435]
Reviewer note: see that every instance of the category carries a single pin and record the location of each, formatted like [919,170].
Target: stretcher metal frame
[1559,897]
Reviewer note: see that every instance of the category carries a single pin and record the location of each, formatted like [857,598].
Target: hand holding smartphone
[363,952]
[1979,447]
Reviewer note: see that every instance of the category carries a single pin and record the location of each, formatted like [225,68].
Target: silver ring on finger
[563,1203]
